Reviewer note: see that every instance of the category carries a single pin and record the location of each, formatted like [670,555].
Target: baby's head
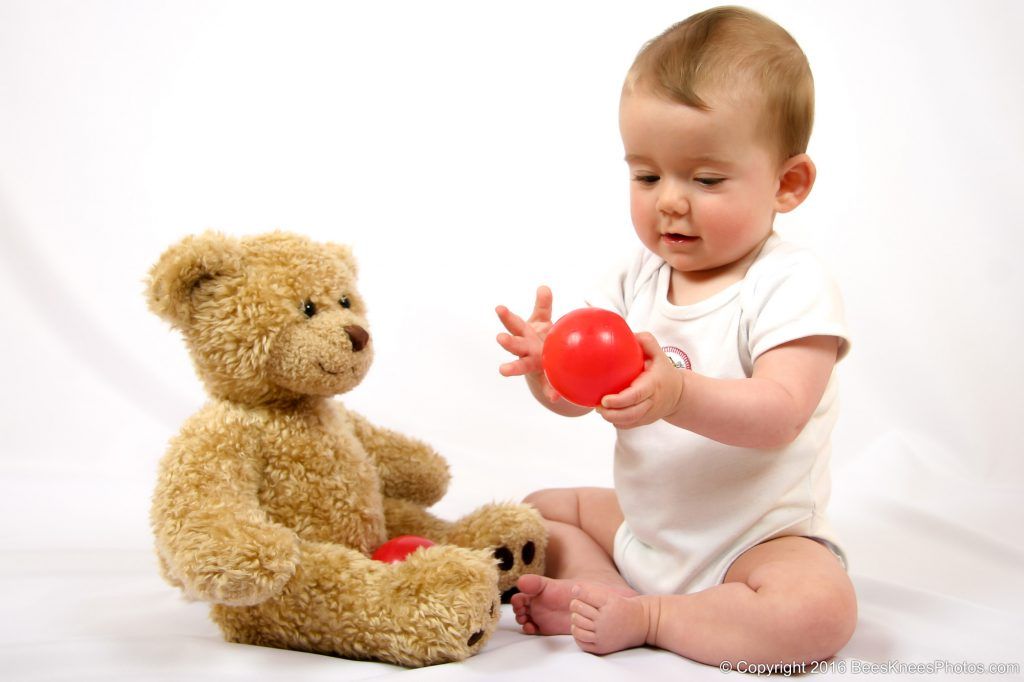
[737,54]
[715,117]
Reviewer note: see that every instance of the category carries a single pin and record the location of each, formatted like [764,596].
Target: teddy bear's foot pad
[507,559]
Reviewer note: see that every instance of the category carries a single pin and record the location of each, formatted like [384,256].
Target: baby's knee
[818,619]
[556,504]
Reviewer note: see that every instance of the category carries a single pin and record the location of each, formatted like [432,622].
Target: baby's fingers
[542,305]
[625,398]
[519,367]
[516,345]
[515,324]
[627,417]
[649,345]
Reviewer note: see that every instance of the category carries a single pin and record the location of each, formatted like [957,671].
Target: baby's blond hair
[729,50]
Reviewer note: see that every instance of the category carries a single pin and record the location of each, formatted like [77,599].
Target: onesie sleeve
[792,296]
[617,289]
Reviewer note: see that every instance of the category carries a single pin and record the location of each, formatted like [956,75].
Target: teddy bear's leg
[439,605]
[515,533]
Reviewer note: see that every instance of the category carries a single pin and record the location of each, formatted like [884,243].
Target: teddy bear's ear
[192,263]
[344,253]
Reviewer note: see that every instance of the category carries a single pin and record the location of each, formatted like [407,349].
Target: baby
[714,543]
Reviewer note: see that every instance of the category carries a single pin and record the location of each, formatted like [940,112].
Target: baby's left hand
[653,395]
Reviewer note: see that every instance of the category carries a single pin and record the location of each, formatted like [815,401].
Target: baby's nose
[673,200]
[358,336]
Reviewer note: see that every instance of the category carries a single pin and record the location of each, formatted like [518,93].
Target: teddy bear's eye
[345,303]
[309,308]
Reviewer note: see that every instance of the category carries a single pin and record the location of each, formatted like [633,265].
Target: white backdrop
[468,152]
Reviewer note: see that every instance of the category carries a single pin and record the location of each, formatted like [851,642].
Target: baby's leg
[581,525]
[786,600]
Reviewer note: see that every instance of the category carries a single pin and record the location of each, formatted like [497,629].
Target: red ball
[590,353]
[397,549]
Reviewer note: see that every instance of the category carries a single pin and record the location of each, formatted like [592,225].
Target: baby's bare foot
[604,620]
[542,605]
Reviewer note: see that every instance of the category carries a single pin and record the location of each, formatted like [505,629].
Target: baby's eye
[345,303]
[308,308]
[646,178]
[710,182]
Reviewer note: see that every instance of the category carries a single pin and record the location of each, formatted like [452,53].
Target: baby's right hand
[526,337]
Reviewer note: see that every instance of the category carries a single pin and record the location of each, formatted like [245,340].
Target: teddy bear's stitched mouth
[327,371]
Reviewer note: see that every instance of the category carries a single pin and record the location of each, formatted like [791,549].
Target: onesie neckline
[693,310]
[710,304]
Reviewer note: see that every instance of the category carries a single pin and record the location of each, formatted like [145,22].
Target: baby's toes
[583,636]
[583,610]
[583,623]
[593,596]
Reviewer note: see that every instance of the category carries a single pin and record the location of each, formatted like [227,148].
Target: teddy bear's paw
[442,605]
[243,573]
[234,587]
[513,533]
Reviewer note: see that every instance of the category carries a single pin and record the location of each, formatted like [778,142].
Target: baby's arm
[526,340]
[768,410]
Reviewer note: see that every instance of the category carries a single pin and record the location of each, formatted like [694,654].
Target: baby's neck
[687,288]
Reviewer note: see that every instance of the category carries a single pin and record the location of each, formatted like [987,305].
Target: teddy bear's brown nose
[358,336]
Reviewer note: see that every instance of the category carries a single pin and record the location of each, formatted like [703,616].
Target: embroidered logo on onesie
[678,357]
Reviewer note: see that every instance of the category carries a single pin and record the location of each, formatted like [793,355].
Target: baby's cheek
[644,221]
[732,230]
[732,222]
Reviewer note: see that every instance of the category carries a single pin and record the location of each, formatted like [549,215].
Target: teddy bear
[273,495]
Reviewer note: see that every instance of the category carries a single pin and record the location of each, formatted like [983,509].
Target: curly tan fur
[271,498]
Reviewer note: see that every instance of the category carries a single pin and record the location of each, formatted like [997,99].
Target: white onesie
[693,505]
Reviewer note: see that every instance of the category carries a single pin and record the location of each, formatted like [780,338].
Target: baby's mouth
[677,238]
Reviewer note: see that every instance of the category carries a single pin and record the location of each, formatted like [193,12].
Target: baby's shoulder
[641,269]
[632,273]
[790,293]
[785,265]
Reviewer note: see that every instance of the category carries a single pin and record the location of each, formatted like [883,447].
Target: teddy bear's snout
[359,337]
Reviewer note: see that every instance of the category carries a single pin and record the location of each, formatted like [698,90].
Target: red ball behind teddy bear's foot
[396,549]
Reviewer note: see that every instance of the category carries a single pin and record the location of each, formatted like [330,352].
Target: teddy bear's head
[267,318]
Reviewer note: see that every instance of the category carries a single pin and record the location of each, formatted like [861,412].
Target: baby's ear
[185,269]
[795,182]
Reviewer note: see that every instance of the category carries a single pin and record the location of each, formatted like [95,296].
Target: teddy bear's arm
[212,536]
[409,469]
[403,517]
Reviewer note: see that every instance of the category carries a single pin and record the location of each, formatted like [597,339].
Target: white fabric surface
[932,586]
[467,142]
